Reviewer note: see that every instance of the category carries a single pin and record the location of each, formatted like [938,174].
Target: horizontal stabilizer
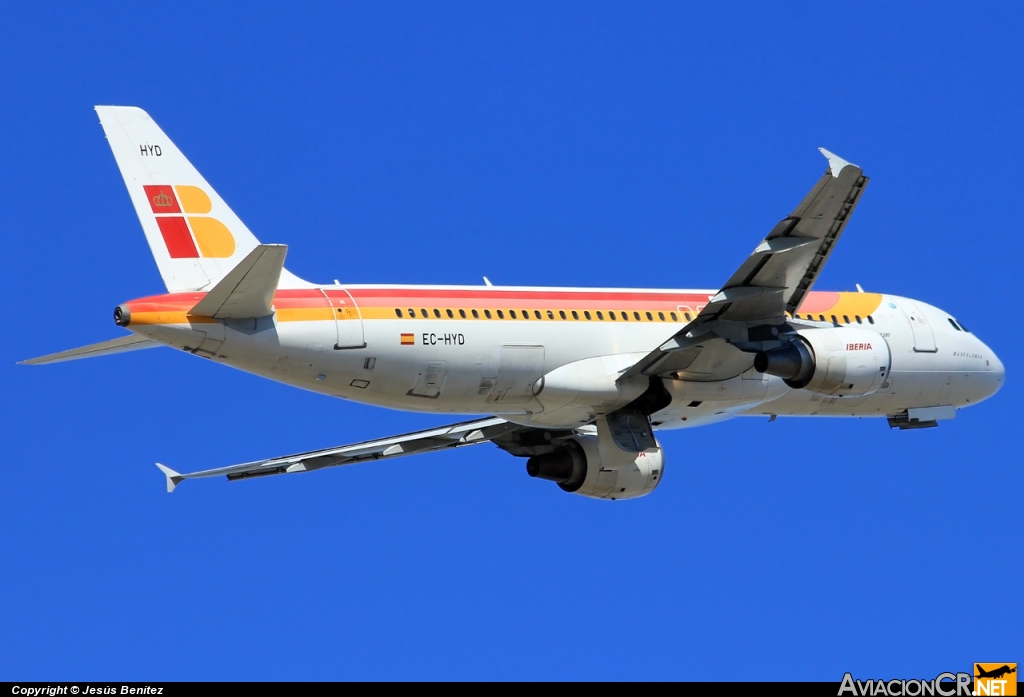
[248,289]
[104,348]
[173,478]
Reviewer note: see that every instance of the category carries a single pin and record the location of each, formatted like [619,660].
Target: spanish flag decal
[408,339]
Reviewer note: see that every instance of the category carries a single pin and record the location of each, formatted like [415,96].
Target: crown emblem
[162,200]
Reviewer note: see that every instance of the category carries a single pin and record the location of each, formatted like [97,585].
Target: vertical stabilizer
[195,237]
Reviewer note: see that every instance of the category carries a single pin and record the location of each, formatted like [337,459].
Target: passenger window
[599,315]
[586,313]
[661,316]
[857,317]
[846,320]
[835,321]
[412,313]
[574,315]
[625,316]
[437,313]
[476,315]
[871,320]
[450,314]
[398,312]
[512,314]
[501,315]
[636,316]
[673,316]
[487,314]
[821,318]
[551,315]
[611,315]
[687,315]
[424,313]
[954,325]
[462,314]
[561,313]
[536,313]
[649,318]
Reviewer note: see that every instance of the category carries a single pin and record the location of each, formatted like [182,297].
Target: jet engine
[846,362]
[577,468]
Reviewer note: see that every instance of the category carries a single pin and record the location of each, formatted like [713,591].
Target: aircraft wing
[516,439]
[773,281]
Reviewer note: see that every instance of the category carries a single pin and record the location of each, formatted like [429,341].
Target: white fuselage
[492,366]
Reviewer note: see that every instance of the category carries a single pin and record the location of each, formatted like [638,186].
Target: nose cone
[995,372]
[998,372]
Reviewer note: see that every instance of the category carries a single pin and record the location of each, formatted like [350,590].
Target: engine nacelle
[847,362]
[576,467]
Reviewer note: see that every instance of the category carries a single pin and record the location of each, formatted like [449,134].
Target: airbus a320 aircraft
[576,380]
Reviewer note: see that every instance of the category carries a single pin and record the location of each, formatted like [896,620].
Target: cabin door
[348,323]
[924,337]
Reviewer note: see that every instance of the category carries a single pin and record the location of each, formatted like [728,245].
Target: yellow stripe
[304,314]
[168,318]
[862,304]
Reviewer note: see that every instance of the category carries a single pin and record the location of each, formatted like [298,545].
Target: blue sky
[589,144]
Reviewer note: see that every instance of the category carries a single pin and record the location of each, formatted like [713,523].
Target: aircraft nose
[995,370]
[998,371]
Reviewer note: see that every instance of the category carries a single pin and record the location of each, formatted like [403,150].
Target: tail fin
[195,237]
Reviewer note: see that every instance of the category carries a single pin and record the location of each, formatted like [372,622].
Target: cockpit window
[955,325]
[961,325]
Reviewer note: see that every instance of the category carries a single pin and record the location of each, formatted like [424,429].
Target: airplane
[575,380]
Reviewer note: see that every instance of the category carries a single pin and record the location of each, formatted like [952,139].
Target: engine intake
[846,362]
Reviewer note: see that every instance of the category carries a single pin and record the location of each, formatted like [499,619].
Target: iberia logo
[995,678]
[193,234]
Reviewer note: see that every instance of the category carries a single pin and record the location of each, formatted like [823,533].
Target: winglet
[835,163]
[173,478]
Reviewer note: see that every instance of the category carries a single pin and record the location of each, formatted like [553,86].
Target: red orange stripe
[381,303]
